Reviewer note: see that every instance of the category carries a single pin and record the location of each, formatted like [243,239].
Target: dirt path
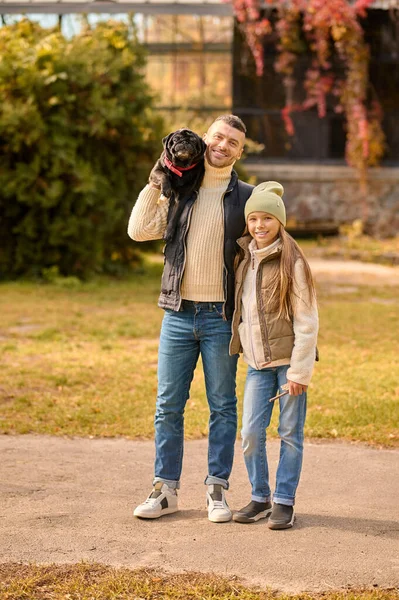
[353,272]
[67,500]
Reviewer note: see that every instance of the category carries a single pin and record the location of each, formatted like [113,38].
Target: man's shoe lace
[151,501]
[218,504]
[153,497]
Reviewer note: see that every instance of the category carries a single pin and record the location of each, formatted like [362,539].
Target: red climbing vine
[331,31]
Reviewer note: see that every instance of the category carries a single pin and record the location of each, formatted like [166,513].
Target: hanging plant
[247,13]
[330,30]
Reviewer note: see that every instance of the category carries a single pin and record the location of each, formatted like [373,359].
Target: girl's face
[263,227]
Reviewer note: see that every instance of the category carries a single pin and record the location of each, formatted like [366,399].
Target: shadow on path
[373,527]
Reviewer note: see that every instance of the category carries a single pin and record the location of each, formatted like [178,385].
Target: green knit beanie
[267,197]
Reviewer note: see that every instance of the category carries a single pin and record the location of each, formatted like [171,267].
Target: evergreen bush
[78,137]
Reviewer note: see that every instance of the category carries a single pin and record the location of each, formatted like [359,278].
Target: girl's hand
[296,389]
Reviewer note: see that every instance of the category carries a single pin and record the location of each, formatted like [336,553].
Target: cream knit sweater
[203,273]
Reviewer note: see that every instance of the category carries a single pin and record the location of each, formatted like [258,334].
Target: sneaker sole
[274,525]
[243,519]
[166,511]
[219,519]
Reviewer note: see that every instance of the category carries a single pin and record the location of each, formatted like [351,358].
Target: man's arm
[149,215]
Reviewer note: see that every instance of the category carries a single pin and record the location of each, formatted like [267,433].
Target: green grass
[352,244]
[82,361]
[96,582]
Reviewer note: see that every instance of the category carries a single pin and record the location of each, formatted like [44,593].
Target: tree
[78,136]
[331,31]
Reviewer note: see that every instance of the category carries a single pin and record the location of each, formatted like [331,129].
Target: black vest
[234,200]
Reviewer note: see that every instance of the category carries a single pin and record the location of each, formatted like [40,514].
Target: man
[197,294]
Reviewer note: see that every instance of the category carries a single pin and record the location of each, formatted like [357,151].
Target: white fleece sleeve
[149,216]
[306,326]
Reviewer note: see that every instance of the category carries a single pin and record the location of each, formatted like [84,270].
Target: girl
[275,325]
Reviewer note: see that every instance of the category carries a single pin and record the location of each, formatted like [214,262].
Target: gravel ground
[65,500]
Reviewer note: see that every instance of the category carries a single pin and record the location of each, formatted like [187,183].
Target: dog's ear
[166,139]
[203,146]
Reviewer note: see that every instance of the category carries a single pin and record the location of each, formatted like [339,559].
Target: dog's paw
[166,190]
[163,198]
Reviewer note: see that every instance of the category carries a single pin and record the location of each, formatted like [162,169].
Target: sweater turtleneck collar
[216,177]
[261,253]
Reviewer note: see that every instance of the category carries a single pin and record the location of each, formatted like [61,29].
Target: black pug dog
[179,172]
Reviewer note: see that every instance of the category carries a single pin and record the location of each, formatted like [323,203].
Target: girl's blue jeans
[260,386]
[198,329]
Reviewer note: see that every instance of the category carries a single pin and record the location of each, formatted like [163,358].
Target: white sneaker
[161,501]
[218,509]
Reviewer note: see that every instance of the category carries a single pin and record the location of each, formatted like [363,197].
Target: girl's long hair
[282,285]
[284,281]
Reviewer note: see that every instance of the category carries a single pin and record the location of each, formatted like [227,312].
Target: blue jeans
[259,387]
[197,329]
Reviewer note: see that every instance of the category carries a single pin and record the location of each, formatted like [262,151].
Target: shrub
[78,137]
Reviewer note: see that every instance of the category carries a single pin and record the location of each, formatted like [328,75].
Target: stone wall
[321,198]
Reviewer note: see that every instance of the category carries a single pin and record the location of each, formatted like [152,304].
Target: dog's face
[184,147]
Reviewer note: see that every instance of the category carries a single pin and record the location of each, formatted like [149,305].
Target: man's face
[224,144]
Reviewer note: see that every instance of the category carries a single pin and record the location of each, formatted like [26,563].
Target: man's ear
[204,137]
[166,139]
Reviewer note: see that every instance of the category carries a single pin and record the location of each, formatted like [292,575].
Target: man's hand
[296,389]
[154,185]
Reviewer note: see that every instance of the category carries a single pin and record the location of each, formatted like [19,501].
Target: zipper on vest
[238,290]
[253,298]
[262,319]
[224,263]
[185,251]
[237,314]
